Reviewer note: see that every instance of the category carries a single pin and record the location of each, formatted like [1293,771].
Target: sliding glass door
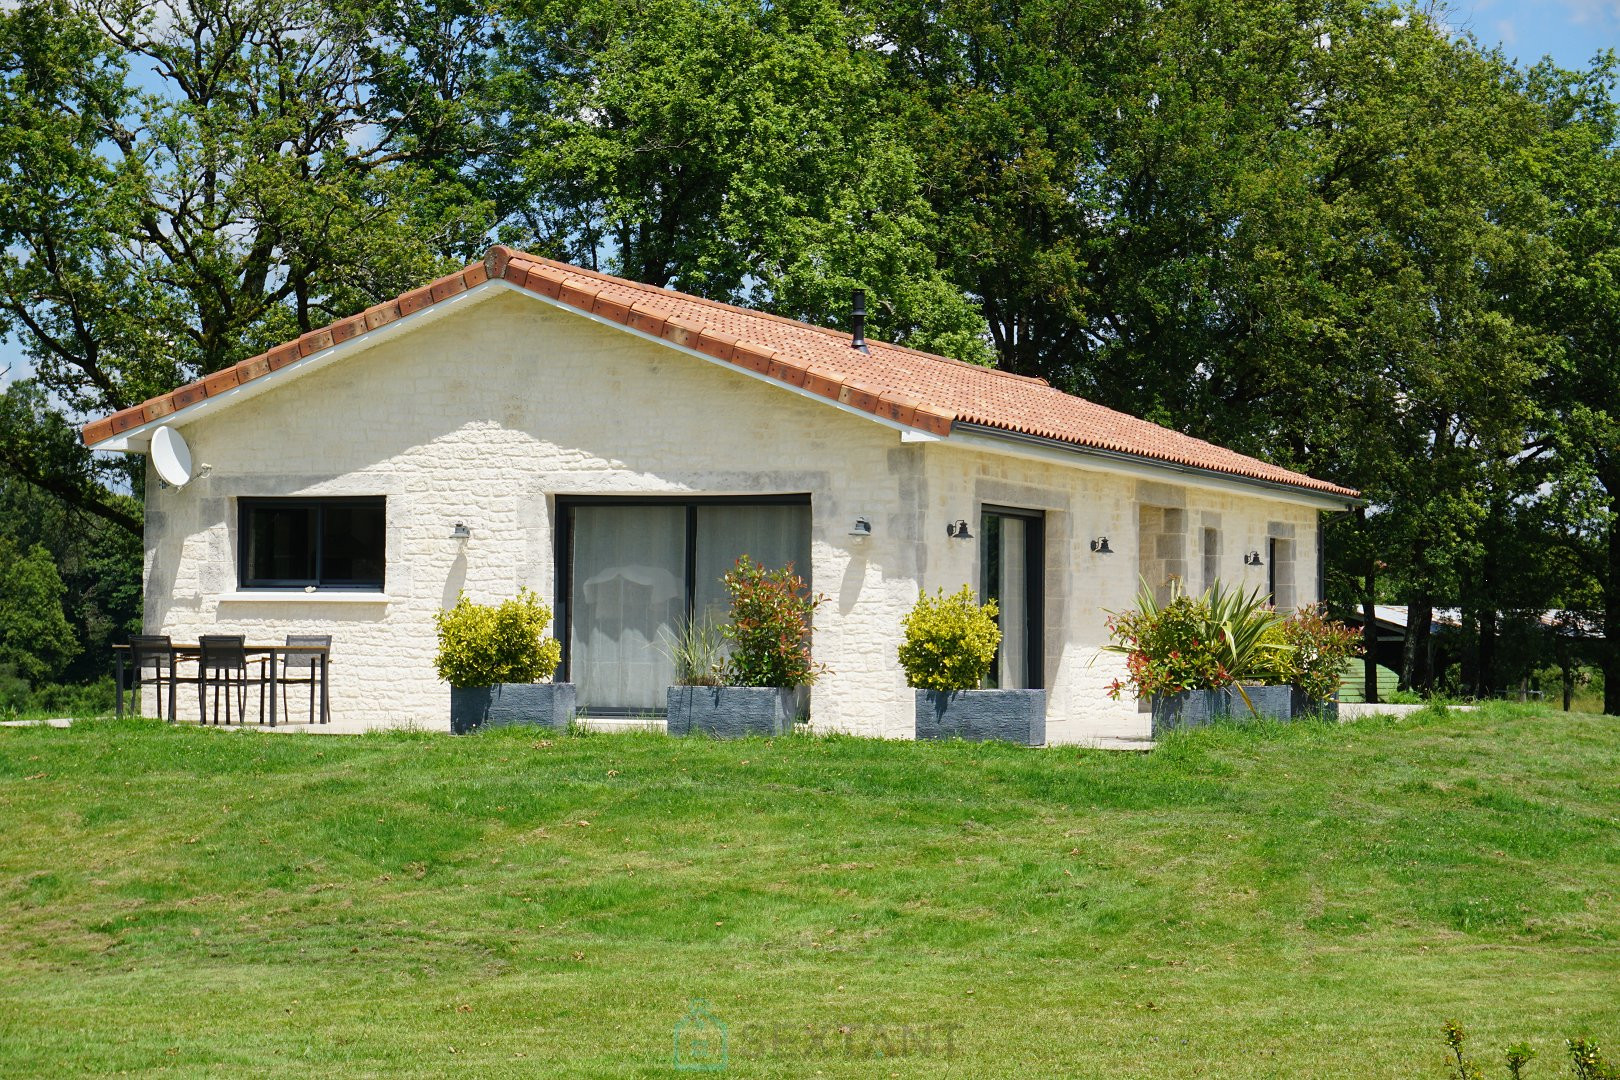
[1011,555]
[633,571]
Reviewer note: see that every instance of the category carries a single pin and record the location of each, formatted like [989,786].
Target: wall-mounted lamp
[958,530]
[460,532]
[862,529]
[1100,546]
[1252,559]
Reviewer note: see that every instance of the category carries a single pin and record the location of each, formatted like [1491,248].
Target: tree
[273,166]
[35,638]
[1582,178]
[735,149]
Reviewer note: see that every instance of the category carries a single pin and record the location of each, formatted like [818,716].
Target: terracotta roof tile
[912,388]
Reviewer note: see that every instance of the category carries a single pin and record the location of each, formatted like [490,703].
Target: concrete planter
[735,712]
[546,705]
[1015,716]
[1316,710]
[1195,708]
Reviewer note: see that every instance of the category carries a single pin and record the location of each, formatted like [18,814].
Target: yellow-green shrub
[482,645]
[950,641]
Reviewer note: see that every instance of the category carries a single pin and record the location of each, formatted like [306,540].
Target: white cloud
[1594,13]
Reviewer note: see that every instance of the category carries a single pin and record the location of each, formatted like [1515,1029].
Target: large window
[299,543]
[633,571]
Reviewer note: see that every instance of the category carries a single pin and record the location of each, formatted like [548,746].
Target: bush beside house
[497,659]
[762,686]
[948,650]
[1227,653]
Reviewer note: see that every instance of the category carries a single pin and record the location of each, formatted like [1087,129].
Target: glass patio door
[634,571]
[628,594]
[1011,555]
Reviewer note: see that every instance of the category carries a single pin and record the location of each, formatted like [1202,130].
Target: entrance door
[1011,556]
[633,571]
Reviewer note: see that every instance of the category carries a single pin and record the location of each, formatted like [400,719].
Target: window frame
[1035,584]
[563,563]
[247,505]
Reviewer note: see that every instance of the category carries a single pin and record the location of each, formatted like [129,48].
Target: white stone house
[615,446]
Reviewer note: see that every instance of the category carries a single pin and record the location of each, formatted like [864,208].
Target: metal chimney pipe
[857,320]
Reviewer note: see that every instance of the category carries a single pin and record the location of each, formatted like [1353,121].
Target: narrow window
[299,543]
[1012,555]
[1280,573]
[1212,557]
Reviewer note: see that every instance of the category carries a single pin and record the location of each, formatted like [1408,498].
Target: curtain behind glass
[771,536]
[629,594]
[1013,673]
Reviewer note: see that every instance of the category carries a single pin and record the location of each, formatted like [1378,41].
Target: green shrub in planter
[495,658]
[769,629]
[950,641]
[485,645]
[950,644]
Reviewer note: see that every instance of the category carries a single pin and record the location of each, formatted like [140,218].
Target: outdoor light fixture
[862,529]
[1252,559]
[958,530]
[460,532]
[1100,546]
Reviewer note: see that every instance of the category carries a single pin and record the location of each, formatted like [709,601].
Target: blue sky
[1570,31]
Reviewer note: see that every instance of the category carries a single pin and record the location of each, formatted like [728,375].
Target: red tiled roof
[912,388]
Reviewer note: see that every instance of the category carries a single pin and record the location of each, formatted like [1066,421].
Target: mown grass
[1256,902]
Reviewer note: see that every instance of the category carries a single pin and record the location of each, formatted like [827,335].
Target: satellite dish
[171,456]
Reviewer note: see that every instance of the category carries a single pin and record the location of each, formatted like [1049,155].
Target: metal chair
[224,666]
[309,664]
[153,651]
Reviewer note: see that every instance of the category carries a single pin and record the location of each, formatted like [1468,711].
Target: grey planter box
[1015,716]
[1195,708]
[735,712]
[546,705]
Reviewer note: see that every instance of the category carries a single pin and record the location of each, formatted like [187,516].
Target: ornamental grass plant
[1225,637]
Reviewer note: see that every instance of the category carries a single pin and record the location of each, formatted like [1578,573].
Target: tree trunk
[1468,639]
[1610,644]
[1369,641]
[1415,648]
[1488,685]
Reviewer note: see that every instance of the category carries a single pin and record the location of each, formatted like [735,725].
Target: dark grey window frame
[246,505]
[564,560]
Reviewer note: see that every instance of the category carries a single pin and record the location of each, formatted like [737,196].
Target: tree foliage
[1330,233]
[35,638]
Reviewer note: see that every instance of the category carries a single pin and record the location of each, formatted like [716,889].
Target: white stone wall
[488,414]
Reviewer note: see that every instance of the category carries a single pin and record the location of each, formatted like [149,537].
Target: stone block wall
[487,415]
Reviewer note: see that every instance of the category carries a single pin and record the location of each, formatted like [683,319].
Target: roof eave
[989,437]
[138,438]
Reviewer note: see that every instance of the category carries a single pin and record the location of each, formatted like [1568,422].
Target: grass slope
[1255,902]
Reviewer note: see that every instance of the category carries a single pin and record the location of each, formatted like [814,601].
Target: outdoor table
[194,652]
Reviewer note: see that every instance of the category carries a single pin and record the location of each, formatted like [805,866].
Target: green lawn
[1313,901]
